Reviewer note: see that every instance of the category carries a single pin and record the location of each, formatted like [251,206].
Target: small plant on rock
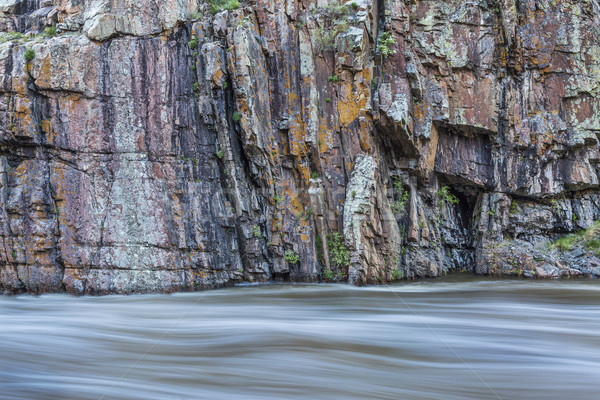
[328,274]
[236,117]
[29,55]
[386,42]
[399,205]
[340,255]
[397,275]
[337,22]
[292,257]
[446,196]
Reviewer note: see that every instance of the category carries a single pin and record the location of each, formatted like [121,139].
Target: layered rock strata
[159,146]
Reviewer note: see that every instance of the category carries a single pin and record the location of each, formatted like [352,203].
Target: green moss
[319,246]
[333,79]
[236,117]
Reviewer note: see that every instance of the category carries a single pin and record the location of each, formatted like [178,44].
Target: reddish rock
[143,151]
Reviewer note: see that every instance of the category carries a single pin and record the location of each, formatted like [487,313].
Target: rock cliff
[150,145]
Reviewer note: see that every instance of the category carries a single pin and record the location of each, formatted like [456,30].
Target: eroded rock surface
[153,146]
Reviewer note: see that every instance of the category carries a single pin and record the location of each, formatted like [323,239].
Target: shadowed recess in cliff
[465,157]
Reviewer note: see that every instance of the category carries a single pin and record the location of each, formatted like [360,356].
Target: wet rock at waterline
[163,146]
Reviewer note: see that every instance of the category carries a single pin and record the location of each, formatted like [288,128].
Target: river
[452,338]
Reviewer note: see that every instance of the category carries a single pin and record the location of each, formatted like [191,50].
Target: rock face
[153,146]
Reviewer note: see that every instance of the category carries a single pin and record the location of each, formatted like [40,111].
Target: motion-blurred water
[439,339]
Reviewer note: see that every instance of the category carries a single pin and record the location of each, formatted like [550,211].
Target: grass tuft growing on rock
[587,238]
[50,31]
[221,5]
[10,36]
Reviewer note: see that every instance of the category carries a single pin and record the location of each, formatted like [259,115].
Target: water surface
[438,339]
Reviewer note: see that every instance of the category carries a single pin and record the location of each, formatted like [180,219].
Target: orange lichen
[352,103]
[296,137]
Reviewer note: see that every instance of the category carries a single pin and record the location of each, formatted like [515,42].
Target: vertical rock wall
[156,146]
